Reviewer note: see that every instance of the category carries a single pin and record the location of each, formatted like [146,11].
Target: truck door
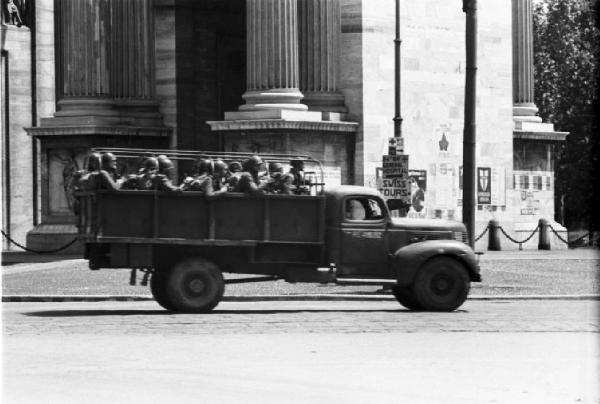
[363,243]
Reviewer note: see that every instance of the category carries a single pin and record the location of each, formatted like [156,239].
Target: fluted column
[85,54]
[319,34]
[133,62]
[133,71]
[522,34]
[272,56]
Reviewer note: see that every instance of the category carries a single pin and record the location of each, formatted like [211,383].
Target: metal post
[469,133]
[397,43]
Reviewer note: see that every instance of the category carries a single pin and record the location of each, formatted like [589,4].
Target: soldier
[94,177]
[235,171]
[279,183]
[165,167]
[109,164]
[220,176]
[249,181]
[301,186]
[201,179]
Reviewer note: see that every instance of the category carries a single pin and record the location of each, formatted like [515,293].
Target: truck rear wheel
[442,284]
[194,285]
[406,297]
[158,284]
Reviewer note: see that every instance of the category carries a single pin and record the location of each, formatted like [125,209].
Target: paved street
[358,352]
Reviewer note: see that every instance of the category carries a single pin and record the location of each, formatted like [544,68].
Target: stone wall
[432,93]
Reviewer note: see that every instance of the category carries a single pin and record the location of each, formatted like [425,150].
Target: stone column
[522,34]
[133,70]
[272,56]
[319,33]
[84,60]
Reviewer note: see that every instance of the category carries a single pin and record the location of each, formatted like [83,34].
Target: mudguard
[407,260]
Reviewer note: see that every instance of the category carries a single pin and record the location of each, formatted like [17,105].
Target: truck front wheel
[406,297]
[442,284]
[194,285]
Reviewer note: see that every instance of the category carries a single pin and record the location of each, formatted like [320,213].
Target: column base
[276,98]
[326,101]
[525,109]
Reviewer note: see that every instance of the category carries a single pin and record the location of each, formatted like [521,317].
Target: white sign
[395,166]
[395,146]
[498,183]
[395,188]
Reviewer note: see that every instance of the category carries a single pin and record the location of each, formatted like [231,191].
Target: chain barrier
[69,244]
[482,234]
[569,243]
[520,243]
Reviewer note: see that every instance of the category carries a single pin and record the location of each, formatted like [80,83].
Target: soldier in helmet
[94,177]
[280,182]
[235,171]
[165,167]
[201,179]
[109,164]
[300,185]
[161,179]
[249,181]
[220,176]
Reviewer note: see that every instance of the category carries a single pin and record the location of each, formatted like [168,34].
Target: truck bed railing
[314,166]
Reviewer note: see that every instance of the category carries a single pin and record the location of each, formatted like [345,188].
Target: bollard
[544,243]
[494,237]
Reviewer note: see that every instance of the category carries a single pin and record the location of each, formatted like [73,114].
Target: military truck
[345,235]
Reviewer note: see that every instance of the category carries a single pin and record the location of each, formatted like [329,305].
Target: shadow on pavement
[92,313]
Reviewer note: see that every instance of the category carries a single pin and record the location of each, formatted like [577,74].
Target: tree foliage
[566,55]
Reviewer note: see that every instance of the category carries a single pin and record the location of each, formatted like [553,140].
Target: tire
[406,297]
[442,284]
[158,284]
[194,285]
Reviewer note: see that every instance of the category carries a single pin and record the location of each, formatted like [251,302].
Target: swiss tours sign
[395,183]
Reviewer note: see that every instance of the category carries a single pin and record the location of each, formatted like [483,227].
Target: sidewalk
[566,274]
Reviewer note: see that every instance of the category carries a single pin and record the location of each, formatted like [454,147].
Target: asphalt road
[504,273]
[300,352]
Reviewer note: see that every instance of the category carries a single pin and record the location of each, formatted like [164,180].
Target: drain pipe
[6,101]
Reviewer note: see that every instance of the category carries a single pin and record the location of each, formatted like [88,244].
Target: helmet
[94,162]
[219,166]
[150,164]
[253,163]
[107,159]
[235,166]
[275,168]
[164,163]
[202,166]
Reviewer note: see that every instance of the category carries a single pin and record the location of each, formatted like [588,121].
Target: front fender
[407,260]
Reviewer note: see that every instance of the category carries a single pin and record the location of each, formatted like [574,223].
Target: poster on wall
[418,188]
[530,203]
[484,185]
[498,186]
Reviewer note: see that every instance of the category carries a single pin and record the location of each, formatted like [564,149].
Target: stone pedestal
[106,98]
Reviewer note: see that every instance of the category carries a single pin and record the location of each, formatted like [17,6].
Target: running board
[348,281]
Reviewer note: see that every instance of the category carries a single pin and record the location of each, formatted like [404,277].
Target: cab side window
[363,208]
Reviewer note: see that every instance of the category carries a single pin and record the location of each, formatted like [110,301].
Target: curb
[370,298]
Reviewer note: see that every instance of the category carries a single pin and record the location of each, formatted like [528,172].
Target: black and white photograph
[300,201]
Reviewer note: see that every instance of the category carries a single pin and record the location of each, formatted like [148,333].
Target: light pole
[469,133]
[397,43]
